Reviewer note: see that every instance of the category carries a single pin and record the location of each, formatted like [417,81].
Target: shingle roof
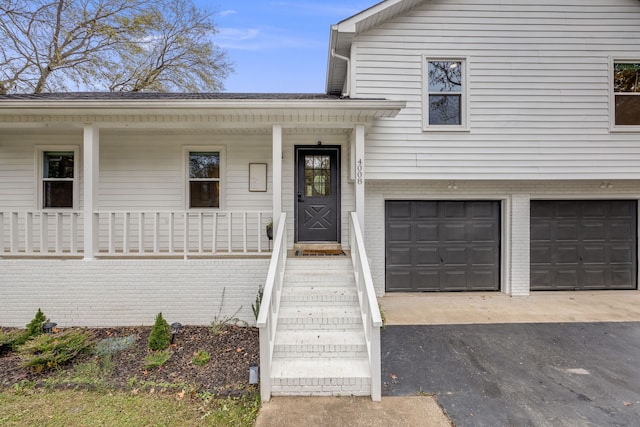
[150,96]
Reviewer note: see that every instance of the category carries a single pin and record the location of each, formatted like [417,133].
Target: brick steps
[320,347]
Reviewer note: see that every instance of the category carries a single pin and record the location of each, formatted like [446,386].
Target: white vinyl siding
[538,90]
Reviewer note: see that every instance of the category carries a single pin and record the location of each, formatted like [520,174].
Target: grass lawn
[25,406]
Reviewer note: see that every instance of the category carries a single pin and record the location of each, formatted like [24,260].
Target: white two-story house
[480,145]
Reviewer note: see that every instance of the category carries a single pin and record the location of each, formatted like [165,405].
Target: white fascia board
[349,24]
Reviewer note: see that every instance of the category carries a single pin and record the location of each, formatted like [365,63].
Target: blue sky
[278,46]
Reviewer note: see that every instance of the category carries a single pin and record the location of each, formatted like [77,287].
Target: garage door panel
[400,278]
[483,232]
[622,255]
[540,279]
[483,210]
[594,230]
[621,231]
[566,231]
[425,280]
[623,279]
[454,209]
[399,209]
[593,278]
[566,209]
[567,254]
[449,240]
[399,233]
[399,256]
[594,255]
[454,232]
[482,256]
[566,279]
[454,280]
[426,210]
[483,280]
[592,210]
[540,254]
[583,244]
[542,230]
[622,209]
[426,257]
[427,233]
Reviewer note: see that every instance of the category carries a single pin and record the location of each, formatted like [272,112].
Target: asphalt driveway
[549,374]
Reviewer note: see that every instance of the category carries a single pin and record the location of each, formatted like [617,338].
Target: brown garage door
[583,244]
[442,245]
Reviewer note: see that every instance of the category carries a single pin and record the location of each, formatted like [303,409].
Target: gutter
[347,91]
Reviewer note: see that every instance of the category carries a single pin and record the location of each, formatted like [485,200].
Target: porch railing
[369,309]
[41,233]
[268,316]
[135,233]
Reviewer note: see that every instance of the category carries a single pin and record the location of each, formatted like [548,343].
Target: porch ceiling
[247,113]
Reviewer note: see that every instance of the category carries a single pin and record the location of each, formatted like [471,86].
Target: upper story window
[58,179]
[626,95]
[445,99]
[204,179]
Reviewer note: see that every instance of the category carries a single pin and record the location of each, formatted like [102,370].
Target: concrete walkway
[352,412]
[447,309]
[462,308]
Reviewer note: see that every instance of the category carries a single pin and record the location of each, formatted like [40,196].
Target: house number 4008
[359,171]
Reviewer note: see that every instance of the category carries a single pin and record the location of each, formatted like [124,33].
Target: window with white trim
[445,94]
[58,179]
[204,175]
[626,95]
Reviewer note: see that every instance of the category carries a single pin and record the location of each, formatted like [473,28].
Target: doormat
[320,252]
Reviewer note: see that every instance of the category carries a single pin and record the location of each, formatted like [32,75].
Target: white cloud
[228,12]
[322,9]
[262,39]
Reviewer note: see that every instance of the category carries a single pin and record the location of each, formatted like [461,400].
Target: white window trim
[223,177]
[39,168]
[612,100]
[464,108]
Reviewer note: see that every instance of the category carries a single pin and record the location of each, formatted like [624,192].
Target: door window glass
[317,175]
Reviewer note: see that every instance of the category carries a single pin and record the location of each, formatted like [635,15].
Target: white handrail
[267,320]
[134,233]
[369,309]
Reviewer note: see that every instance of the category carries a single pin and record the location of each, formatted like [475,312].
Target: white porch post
[91,149]
[277,173]
[359,173]
[519,274]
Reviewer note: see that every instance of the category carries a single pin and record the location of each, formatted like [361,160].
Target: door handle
[300,197]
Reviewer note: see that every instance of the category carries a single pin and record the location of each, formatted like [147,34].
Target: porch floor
[539,307]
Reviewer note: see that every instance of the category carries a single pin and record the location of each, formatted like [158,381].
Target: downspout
[344,58]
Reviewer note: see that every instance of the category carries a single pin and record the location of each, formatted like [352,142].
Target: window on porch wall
[58,179]
[204,179]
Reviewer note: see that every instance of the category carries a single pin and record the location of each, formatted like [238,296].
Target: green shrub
[201,358]
[34,328]
[256,307]
[112,345]
[155,359]
[48,351]
[8,340]
[160,336]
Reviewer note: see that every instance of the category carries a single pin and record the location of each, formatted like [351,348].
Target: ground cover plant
[113,368]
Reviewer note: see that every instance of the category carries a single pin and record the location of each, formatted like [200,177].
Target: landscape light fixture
[175,327]
[253,374]
[47,328]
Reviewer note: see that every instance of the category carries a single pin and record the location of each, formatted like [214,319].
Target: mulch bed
[227,373]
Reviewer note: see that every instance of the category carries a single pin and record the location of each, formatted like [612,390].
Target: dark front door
[583,244]
[317,194]
[442,245]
